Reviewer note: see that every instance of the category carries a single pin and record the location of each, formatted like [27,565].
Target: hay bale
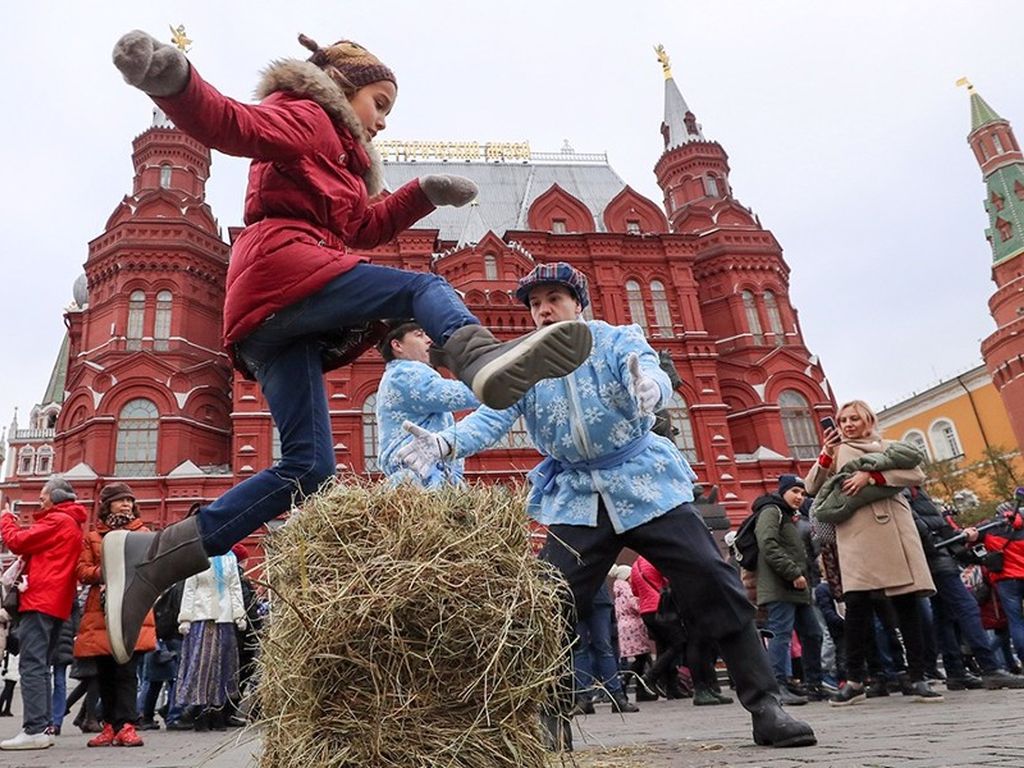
[409,628]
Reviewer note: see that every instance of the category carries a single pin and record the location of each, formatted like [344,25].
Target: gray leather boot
[499,373]
[137,567]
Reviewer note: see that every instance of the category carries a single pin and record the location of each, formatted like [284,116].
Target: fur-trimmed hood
[305,79]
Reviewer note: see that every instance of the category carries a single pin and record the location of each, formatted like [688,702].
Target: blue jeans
[39,635]
[284,355]
[593,652]
[60,693]
[783,618]
[1011,593]
[955,605]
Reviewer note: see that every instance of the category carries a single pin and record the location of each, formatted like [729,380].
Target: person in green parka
[784,591]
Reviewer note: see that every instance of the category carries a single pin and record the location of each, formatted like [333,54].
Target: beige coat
[879,547]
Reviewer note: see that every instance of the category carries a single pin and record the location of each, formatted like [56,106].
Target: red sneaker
[127,737]
[105,737]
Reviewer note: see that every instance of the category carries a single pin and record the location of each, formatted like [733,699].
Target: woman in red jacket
[118,683]
[298,298]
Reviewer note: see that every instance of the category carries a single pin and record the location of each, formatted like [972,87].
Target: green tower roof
[981,112]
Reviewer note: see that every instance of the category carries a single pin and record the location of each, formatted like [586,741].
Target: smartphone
[827,423]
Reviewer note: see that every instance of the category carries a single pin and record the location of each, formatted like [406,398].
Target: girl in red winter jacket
[299,298]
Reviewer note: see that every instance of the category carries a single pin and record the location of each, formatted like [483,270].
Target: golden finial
[180,39]
[666,66]
[965,83]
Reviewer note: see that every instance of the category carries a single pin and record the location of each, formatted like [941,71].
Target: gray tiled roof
[507,189]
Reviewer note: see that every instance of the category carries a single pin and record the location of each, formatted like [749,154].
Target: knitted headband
[356,65]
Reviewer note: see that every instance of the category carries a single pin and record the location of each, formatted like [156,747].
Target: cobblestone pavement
[971,728]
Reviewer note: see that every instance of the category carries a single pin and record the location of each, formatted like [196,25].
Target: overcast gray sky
[844,130]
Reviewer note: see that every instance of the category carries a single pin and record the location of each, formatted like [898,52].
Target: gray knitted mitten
[442,189]
[151,66]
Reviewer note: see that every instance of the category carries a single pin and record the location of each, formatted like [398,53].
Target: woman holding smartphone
[879,549]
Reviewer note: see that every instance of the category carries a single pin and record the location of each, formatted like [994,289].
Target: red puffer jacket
[647,582]
[51,546]
[1011,543]
[307,201]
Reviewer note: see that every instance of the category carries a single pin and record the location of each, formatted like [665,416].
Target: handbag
[668,610]
[11,601]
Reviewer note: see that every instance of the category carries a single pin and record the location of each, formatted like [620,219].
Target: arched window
[944,440]
[711,185]
[162,325]
[771,306]
[165,176]
[753,320]
[490,267]
[136,313]
[26,459]
[917,440]
[137,427]
[370,434]
[44,460]
[637,311]
[662,314]
[682,427]
[798,425]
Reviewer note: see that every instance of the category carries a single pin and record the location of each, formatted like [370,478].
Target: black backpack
[166,612]
[745,543]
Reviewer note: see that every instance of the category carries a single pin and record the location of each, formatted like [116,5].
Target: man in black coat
[953,604]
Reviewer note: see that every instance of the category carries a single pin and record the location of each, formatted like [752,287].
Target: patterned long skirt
[208,672]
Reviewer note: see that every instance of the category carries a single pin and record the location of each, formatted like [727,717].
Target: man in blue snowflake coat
[412,391]
[608,482]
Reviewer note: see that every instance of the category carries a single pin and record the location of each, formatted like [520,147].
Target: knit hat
[59,490]
[789,481]
[356,66]
[559,273]
[241,552]
[115,491]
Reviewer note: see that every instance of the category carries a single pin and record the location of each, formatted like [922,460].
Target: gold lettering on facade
[494,151]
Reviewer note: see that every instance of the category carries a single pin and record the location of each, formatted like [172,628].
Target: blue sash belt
[542,477]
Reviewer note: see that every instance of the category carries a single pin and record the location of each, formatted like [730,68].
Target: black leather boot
[758,692]
[556,732]
[620,703]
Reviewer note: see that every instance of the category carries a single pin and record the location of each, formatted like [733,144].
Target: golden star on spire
[666,65]
[179,38]
[964,82]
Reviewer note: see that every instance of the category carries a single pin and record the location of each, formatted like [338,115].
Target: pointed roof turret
[680,125]
[473,229]
[981,113]
[55,388]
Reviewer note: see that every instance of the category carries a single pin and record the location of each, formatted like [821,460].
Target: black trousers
[706,587]
[859,631]
[119,690]
[670,641]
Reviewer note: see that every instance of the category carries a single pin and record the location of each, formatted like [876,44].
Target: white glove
[241,624]
[645,389]
[423,453]
[184,627]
